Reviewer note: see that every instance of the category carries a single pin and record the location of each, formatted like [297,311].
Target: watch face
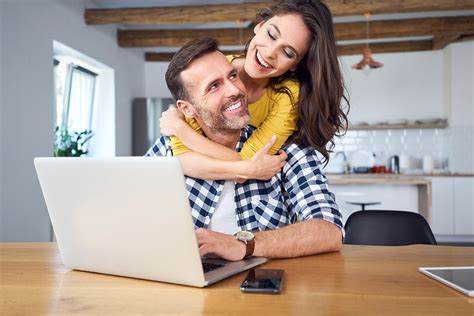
[243,235]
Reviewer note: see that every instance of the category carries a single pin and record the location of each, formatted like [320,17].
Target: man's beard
[218,123]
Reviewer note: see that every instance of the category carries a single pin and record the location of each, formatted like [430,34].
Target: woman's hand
[170,121]
[263,166]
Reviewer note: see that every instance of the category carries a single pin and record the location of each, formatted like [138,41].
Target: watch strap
[250,247]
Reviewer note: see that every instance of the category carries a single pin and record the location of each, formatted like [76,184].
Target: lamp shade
[367,60]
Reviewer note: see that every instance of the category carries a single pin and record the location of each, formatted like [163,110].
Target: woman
[295,88]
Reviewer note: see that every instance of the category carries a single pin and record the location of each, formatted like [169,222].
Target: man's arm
[301,239]
[319,229]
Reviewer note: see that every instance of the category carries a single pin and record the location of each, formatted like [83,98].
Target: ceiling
[159,28]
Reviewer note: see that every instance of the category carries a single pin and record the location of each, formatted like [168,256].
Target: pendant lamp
[367,61]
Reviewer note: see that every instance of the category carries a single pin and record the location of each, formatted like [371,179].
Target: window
[84,100]
[75,88]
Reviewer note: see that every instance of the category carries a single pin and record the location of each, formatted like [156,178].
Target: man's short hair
[181,60]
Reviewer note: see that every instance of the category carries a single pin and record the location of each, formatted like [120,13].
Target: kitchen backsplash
[451,148]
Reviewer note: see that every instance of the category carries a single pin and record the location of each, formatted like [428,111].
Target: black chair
[387,228]
[364,205]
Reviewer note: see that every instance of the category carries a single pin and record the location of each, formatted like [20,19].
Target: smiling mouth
[260,61]
[234,107]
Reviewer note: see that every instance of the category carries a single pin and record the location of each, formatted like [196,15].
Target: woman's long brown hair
[321,114]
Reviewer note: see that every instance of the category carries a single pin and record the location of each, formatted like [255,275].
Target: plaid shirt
[299,192]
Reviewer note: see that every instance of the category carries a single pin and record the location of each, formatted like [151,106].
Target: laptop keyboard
[207,267]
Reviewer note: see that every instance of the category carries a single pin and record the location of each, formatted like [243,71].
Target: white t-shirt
[224,219]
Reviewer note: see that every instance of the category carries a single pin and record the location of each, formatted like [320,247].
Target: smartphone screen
[263,281]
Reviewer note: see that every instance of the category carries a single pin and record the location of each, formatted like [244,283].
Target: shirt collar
[244,135]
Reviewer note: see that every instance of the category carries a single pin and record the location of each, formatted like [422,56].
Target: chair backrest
[387,228]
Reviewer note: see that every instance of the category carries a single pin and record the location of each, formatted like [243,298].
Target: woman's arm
[172,123]
[281,121]
[261,166]
[212,163]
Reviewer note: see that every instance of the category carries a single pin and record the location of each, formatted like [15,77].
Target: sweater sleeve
[177,145]
[281,122]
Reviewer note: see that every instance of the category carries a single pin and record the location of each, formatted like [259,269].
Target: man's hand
[263,166]
[170,121]
[214,244]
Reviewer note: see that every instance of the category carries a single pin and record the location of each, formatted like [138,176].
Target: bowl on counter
[361,169]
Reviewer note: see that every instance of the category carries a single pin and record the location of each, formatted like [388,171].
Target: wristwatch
[248,239]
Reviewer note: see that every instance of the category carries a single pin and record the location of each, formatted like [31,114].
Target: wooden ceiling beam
[158,56]
[440,41]
[343,31]
[246,11]
[167,56]
[392,47]
[176,15]
[358,7]
[466,37]
[403,28]
[177,38]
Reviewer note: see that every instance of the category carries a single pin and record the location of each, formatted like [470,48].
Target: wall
[415,143]
[155,84]
[408,86]
[29,28]
[461,99]
[451,82]
[1,119]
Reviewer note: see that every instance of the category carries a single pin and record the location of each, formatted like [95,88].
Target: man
[292,214]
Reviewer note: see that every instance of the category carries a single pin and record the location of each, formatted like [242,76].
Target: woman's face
[278,46]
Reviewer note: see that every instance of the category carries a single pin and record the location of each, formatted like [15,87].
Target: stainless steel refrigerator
[146,113]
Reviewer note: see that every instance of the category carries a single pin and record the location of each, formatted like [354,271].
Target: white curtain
[80,100]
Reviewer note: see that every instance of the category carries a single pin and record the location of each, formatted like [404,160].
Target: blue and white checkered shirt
[299,192]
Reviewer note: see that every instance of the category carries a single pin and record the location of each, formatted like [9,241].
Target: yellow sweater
[272,114]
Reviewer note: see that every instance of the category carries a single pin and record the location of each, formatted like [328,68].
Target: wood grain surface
[359,280]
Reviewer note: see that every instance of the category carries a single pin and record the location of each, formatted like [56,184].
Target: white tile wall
[453,146]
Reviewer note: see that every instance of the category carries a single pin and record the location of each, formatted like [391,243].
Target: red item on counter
[379,169]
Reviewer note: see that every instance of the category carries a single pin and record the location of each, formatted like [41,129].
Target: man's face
[218,96]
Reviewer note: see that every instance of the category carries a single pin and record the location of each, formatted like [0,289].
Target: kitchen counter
[376,181]
[454,174]
[412,178]
[376,178]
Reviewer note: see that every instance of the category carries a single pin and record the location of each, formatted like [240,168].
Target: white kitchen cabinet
[442,211]
[464,206]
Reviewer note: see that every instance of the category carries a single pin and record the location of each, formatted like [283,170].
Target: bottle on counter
[428,164]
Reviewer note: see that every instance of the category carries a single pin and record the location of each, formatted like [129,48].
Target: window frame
[68,83]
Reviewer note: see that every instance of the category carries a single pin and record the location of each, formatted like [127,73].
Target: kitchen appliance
[361,161]
[146,113]
[337,163]
[395,164]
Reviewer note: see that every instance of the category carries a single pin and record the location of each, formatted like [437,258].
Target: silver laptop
[127,216]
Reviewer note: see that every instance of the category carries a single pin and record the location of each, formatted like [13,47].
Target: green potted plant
[70,144]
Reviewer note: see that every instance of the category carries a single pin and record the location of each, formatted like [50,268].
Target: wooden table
[359,280]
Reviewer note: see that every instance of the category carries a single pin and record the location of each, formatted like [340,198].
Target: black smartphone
[263,281]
